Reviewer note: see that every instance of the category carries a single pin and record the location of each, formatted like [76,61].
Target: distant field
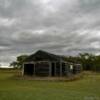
[87,88]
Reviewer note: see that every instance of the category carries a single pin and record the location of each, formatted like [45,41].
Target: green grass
[87,88]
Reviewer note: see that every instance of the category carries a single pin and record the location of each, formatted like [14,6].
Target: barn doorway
[28,69]
[53,69]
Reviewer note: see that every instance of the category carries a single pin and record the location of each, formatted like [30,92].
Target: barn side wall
[49,69]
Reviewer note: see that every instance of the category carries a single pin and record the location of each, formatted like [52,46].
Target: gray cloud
[66,27]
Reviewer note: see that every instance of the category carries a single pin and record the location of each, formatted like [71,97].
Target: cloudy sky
[66,27]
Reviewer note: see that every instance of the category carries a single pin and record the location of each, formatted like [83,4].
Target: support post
[34,69]
[50,69]
[55,68]
[23,70]
[60,68]
[66,69]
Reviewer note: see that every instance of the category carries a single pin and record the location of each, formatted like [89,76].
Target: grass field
[87,88]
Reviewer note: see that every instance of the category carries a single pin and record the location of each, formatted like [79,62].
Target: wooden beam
[55,68]
[66,68]
[50,66]
[23,70]
[60,68]
[34,69]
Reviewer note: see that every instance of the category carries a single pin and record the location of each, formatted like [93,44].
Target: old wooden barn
[46,64]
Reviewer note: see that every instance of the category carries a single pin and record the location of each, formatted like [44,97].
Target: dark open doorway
[53,69]
[28,69]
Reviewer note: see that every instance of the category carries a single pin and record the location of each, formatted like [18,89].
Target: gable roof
[44,56]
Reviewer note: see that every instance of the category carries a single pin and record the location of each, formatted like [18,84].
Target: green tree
[19,61]
[97,63]
[87,61]
[14,64]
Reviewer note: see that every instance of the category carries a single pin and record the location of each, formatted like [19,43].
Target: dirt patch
[35,78]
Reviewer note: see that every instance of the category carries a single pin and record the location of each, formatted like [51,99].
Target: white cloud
[5,3]
[7,22]
[95,45]
[61,26]
[3,47]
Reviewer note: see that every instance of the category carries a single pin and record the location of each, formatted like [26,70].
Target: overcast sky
[66,27]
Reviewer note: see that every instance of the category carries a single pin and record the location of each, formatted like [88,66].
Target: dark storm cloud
[66,27]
